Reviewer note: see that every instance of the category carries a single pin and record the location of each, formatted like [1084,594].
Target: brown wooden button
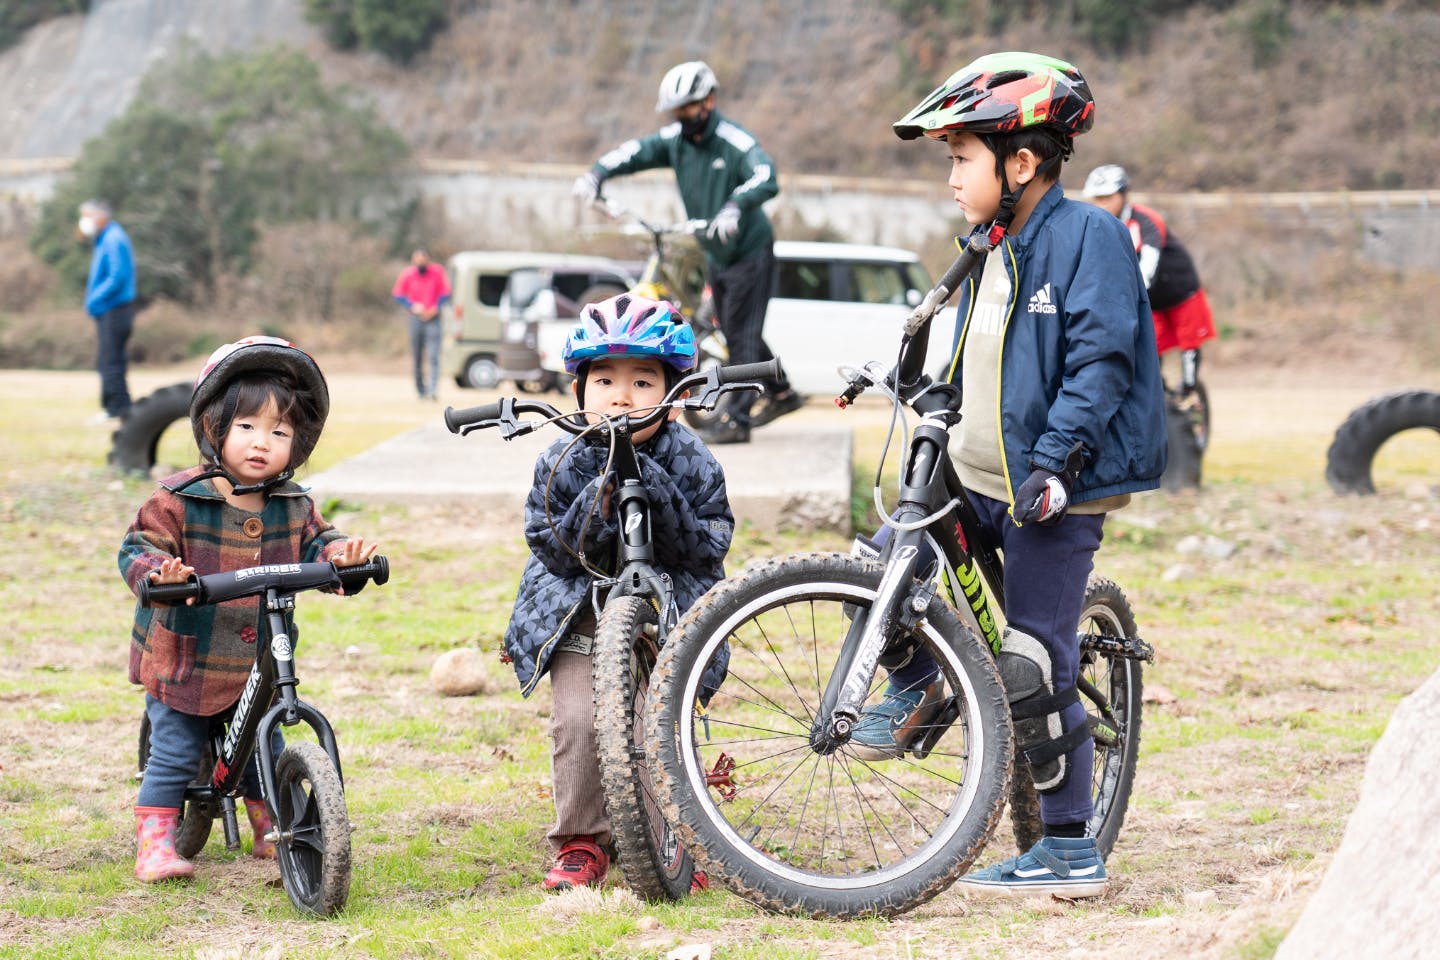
[253,528]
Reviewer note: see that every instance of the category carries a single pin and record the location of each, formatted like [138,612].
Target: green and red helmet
[1004,93]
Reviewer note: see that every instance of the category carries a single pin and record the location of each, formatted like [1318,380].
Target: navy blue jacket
[690,526]
[1078,360]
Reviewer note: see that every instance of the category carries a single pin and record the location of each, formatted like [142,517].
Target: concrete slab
[791,475]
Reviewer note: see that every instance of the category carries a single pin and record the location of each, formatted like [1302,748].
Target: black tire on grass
[656,866]
[1352,453]
[314,830]
[134,444]
[792,826]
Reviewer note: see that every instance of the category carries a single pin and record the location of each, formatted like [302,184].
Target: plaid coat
[195,659]
[690,526]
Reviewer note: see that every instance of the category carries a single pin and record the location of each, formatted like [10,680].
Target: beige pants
[574,768]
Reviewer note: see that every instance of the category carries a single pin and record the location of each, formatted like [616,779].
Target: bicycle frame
[933,510]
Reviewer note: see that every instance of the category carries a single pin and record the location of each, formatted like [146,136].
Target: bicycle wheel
[314,830]
[196,817]
[787,827]
[1110,687]
[626,644]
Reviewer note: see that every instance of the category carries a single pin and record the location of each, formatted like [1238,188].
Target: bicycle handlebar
[710,384]
[252,581]
[615,211]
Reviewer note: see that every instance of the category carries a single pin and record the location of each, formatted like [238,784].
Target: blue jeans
[425,339]
[112,332]
[177,741]
[1046,572]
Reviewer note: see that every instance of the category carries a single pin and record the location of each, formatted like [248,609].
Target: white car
[833,305]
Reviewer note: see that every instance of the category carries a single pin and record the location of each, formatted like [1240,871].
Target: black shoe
[776,407]
[726,430]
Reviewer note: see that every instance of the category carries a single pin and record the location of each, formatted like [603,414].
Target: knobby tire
[1351,457]
[793,829]
[656,866]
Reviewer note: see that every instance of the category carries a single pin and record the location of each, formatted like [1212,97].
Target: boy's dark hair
[296,407]
[1051,146]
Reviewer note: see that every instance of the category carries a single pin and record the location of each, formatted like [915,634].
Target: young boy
[1062,419]
[625,353]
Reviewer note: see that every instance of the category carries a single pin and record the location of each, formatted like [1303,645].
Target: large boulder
[1379,898]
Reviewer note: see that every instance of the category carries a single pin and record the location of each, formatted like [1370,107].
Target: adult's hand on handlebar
[725,224]
[587,186]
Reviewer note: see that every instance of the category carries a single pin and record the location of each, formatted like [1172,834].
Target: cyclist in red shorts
[1177,301]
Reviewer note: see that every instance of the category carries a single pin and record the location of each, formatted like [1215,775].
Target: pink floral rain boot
[260,824]
[155,856]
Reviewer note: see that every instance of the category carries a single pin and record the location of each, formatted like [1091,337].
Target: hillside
[1344,101]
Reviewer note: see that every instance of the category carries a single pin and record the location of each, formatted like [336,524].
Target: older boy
[1062,419]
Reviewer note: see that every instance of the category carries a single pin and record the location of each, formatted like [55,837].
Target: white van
[833,305]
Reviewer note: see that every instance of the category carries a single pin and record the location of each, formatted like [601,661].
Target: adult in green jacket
[724,176]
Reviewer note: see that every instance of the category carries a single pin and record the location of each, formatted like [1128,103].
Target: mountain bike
[675,271]
[636,611]
[762,781]
[303,789]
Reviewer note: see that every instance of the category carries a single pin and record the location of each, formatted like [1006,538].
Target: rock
[458,673]
[1378,896]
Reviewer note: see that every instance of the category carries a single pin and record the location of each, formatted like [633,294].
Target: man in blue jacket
[724,176]
[110,301]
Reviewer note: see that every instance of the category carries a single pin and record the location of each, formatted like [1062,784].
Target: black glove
[1043,498]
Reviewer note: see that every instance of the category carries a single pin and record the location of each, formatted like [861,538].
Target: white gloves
[725,224]
[587,186]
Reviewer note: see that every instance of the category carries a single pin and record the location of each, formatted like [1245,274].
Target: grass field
[1288,622]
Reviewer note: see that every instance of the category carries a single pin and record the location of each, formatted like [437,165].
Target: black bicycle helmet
[263,355]
[1003,93]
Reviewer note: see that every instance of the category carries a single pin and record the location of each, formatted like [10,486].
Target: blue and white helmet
[628,325]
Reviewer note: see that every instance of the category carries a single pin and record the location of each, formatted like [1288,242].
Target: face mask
[87,227]
[694,126]
[421,268]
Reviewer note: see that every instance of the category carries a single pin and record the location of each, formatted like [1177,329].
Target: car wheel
[481,372]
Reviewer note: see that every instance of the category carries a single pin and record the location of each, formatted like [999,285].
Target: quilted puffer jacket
[690,524]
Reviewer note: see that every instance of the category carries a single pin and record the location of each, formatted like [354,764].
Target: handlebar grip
[768,370]
[151,593]
[353,579]
[455,420]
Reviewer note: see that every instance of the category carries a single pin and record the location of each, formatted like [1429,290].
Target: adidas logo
[718,164]
[1040,301]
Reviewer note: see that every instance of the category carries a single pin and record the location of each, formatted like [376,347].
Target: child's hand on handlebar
[173,570]
[355,552]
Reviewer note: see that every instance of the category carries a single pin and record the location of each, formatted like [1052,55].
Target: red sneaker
[580,863]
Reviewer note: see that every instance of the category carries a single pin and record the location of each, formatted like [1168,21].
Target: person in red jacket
[422,288]
[1177,301]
